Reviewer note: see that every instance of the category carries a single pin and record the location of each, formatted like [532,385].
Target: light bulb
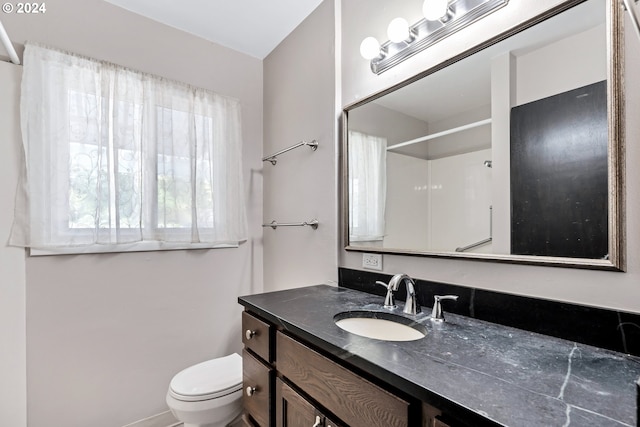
[370,48]
[434,9]
[398,30]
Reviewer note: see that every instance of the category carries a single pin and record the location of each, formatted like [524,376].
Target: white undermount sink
[380,326]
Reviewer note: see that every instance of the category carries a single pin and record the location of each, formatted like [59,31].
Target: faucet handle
[389,300]
[437,315]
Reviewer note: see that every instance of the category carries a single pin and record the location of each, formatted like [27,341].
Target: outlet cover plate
[372,261]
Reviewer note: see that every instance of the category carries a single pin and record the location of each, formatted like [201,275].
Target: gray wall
[361,18]
[299,104]
[13,387]
[105,333]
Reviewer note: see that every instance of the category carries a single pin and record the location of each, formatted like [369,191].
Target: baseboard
[165,419]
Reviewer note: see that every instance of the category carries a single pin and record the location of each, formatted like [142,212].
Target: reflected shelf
[440,134]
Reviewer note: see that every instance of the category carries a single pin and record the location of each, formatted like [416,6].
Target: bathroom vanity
[300,369]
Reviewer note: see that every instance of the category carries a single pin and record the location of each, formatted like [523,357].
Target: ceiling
[253,27]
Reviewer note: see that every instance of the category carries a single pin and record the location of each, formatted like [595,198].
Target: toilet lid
[208,380]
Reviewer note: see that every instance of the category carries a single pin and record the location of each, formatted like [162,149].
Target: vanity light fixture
[442,18]
[370,48]
[398,31]
[435,9]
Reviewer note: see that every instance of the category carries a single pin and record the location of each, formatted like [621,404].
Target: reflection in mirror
[501,155]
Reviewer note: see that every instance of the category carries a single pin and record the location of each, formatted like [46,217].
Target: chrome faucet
[437,315]
[411,306]
[389,300]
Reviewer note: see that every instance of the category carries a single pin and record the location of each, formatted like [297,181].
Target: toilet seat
[208,380]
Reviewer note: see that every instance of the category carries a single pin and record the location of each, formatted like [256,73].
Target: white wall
[565,65]
[616,290]
[299,104]
[105,333]
[407,214]
[13,386]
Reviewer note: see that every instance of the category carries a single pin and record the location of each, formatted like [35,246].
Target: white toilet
[208,394]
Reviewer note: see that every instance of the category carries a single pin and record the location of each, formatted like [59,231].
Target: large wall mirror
[512,152]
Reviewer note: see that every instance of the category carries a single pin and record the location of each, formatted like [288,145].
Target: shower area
[441,205]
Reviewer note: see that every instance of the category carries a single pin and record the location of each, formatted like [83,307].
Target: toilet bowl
[208,394]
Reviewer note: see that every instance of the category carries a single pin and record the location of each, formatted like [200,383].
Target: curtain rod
[632,15]
[4,37]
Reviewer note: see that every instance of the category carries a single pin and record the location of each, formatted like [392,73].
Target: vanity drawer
[256,336]
[353,399]
[256,389]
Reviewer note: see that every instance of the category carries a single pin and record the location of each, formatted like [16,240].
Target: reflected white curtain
[367,186]
[115,157]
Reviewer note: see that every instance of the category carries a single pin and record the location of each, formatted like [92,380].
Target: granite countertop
[509,376]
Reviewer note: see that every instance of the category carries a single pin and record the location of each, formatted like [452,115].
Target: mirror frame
[616,153]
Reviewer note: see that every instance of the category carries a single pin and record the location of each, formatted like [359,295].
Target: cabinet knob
[250,391]
[318,421]
[249,333]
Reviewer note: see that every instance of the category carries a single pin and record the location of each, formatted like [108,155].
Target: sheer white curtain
[367,186]
[115,158]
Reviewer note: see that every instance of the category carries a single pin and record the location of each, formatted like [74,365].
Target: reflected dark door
[559,203]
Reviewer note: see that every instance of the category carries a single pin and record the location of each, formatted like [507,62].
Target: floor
[238,422]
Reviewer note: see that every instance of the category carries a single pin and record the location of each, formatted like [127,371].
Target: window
[367,186]
[121,160]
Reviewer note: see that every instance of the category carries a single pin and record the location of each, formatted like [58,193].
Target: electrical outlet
[372,261]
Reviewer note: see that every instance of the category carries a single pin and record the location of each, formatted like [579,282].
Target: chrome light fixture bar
[424,33]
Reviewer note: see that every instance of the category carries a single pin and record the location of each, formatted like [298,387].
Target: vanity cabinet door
[433,417]
[293,410]
[429,414]
[330,423]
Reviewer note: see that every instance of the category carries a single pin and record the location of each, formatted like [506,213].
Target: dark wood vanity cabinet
[293,410]
[257,389]
[352,399]
[257,370]
[432,417]
[286,383]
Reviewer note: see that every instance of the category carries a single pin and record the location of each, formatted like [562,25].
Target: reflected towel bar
[474,245]
[485,241]
[273,224]
[272,158]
